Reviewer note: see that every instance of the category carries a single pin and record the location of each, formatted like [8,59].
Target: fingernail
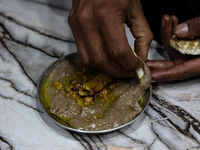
[181,29]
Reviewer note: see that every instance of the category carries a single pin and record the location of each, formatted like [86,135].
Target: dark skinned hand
[180,66]
[99,32]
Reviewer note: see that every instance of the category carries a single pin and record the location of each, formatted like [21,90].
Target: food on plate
[87,99]
[190,46]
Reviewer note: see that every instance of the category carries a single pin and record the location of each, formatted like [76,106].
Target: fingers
[93,44]
[166,29]
[168,24]
[93,50]
[140,30]
[99,32]
[174,21]
[162,64]
[180,67]
[188,29]
[73,23]
[99,58]
[166,34]
[113,32]
[112,68]
[181,71]
[159,64]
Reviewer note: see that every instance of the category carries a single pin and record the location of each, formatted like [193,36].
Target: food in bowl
[86,99]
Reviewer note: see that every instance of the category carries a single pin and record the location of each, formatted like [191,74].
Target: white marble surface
[35,33]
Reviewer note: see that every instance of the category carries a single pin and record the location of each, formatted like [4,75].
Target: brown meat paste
[87,99]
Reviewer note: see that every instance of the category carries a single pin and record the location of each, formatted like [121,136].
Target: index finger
[182,71]
[140,30]
[113,32]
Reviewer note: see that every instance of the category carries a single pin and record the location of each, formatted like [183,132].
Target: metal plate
[50,68]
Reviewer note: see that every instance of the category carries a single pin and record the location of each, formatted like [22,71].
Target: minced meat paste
[88,99]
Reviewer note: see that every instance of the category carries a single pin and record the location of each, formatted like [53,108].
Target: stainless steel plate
[50,68]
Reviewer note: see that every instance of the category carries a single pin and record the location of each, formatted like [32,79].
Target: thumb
[140,30]
[188,29]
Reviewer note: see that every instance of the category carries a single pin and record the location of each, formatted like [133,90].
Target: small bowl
[45,74]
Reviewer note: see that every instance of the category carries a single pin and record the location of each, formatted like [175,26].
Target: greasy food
[87,99]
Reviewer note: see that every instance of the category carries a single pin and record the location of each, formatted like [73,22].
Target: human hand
[180,66]
[99,32]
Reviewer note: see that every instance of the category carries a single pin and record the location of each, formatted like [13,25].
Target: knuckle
[101,13]
[71,19]
[96,62]
[150,36]
[102,4]
[118,52]
[82,16]
[186,75]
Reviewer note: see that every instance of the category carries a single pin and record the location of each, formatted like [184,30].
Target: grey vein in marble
[33,34]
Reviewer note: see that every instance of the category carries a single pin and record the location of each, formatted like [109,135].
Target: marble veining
[33,34]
